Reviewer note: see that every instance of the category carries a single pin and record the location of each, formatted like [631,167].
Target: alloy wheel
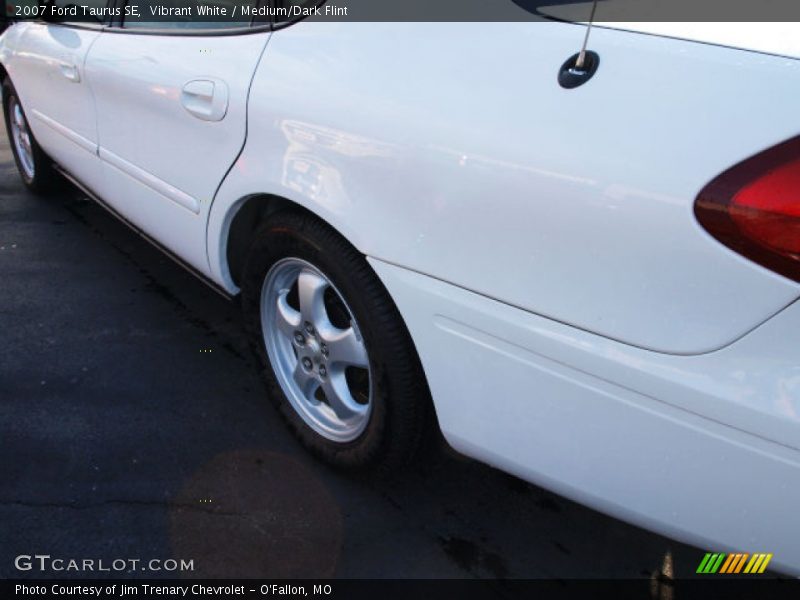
[21,136]
[316,350]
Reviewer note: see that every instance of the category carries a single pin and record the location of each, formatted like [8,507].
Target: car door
[48,72]
[171,114]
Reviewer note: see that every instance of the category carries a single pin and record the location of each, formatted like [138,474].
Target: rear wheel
[35,167]
[337,359]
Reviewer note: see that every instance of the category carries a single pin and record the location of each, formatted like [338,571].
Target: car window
[184,14]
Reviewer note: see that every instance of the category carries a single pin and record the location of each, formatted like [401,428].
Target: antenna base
[571,76]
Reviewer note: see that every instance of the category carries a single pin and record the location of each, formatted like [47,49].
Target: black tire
[401,406]
[44,179]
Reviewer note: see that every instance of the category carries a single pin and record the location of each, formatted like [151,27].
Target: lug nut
[307,363]
[309,329]
[324,350]
[323,371]
[298,337]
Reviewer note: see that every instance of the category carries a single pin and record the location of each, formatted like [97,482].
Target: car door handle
[206,99]
[70,71]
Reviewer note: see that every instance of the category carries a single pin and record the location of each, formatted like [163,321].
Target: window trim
[118,26]
[257,25]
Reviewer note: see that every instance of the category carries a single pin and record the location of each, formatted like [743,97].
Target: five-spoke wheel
[316,348]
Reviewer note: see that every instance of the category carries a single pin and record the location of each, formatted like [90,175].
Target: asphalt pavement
[133,425]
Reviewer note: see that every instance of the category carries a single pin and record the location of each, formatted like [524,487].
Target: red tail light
[754,208]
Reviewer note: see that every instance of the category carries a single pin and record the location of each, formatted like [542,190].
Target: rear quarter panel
[451,150]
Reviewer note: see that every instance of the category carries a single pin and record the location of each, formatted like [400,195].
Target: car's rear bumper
[703,448]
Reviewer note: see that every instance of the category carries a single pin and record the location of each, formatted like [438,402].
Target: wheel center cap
[314,347]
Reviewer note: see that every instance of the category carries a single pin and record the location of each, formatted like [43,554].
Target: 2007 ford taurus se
[589,281]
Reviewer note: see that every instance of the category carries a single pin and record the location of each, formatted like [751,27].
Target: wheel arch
[236,230]
[242,220]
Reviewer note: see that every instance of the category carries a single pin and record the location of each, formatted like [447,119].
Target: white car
[590,283]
